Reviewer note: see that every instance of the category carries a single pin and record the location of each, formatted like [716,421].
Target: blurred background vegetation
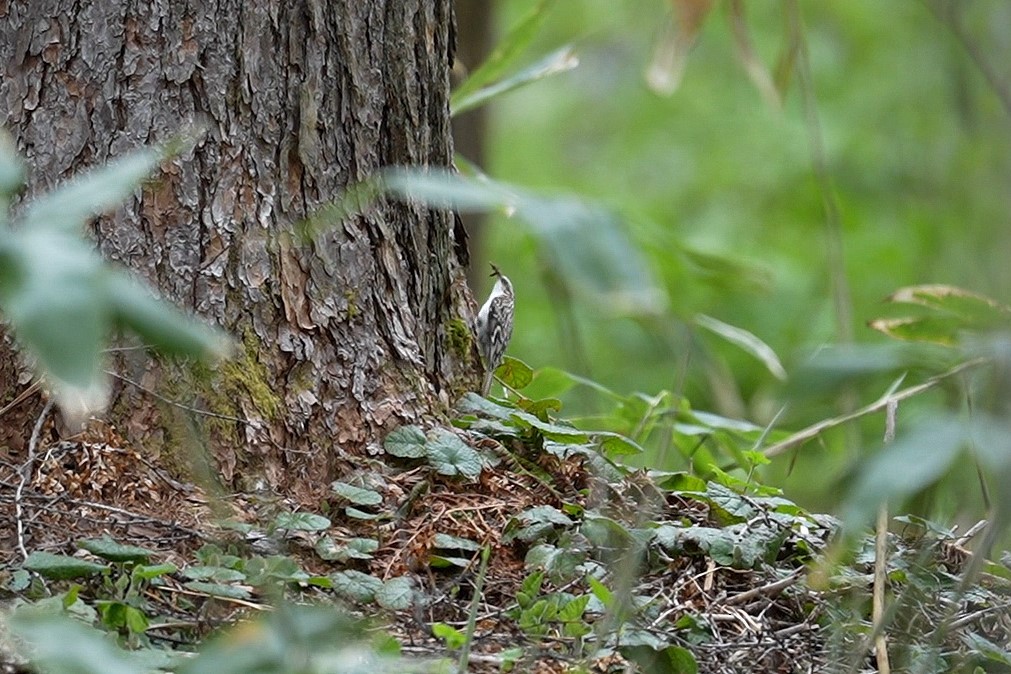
[725,169]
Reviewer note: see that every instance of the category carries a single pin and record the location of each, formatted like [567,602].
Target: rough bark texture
[338,343]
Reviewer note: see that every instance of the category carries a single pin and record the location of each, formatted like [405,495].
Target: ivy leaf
[61,567]
[106,548]
[447,542]
[396,594]
[356,495]
[514,373]
[356,586]
[406,442]
[301,521]
[450,455]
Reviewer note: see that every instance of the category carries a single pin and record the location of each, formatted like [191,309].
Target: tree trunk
[339,341]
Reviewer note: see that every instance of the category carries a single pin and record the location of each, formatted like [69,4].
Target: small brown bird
[495,326]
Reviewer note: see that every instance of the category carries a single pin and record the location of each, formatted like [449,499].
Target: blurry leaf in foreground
[746,341]
[63,301]
[909,465]
[950,313]
[670,56]
[505,53]
[98,190]
[57,644]
[586,243]
[559,61]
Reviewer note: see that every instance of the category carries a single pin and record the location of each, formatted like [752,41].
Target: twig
[969,533]
[881,560]
[25,472]
[768,590]
[24,395]
[474,604]
[182,406]
[814,430]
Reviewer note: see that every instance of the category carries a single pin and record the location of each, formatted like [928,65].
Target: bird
[495,325]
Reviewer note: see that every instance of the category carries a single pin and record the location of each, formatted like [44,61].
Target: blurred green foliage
[714,184]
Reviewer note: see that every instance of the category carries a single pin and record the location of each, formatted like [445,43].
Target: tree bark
[339,341]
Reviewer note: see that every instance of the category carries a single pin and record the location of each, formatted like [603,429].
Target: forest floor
[588,567]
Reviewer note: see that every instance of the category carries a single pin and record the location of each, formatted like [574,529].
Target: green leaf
[356,495]
[217,574]
[61,567]
[106,548]
[97,191]
[59,283]
[668,660]
[396,594]
[746,341]
[559,61]
[514,373]
[573,610]
[943,330]
[353,548]
[301,521]
[449,455]
[58,644]
[615,444]
[356,586]
[454,638]
[135,620]
[406,442]
[144,572]
[506,51]
[545,515]
[447,542]
[357,514]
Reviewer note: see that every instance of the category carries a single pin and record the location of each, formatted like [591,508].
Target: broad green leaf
[106,548]
[472,403]
[301,521]
[352,548]
[56,303]
[406,442]
[545,514]
[453,637]
[61,567]
[559,61]
[356,495]
[448,542]
[450,455]
[154,571]
[356,586]
[396,594]
[218,574]
[615,444]
[506,51]
[573,610]
[56,643]
[92,193]
[746,341]
[514,372]
[943,330]
[910,464]
[358,514]
[975,309]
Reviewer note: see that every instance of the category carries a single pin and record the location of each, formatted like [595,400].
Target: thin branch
[25,473]
[182,406]
[814,430]
[976,54]
[881,560]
